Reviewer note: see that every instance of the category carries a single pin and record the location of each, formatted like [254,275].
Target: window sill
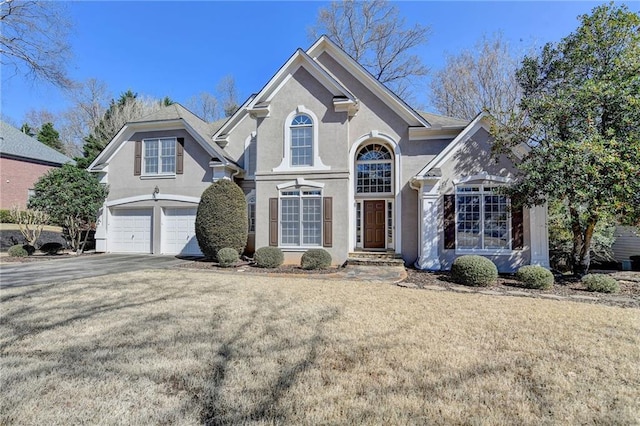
[297,248]
[146,177]
[492,252]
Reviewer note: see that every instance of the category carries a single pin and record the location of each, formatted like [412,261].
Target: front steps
[374,258]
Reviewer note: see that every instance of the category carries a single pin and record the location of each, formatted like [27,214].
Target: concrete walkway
[85,266]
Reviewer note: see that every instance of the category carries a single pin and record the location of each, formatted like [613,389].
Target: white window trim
[285,165]
[389,161]
[251,200]
[294,247]
[492,251]
[144,174]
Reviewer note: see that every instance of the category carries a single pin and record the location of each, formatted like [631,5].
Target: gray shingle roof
[14,143]
[437,120]
[176,111]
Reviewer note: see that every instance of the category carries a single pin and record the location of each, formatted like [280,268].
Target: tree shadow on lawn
[235,348]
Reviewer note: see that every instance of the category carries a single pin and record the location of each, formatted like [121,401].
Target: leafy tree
[50,137]
[479,79]
[221,220]
[579,114]
[71,197]
[375,35]
[34,39]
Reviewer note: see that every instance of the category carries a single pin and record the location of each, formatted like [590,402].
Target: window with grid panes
[301,218]
[159,156]
[482,219]
[301,140]
[374,167]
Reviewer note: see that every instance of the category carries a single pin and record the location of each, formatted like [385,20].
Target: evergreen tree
[110,124]
[579,114]
[27,130]
[50,137]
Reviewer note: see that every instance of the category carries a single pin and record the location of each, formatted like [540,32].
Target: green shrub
[29,249]
[221,220]
[51,248]
[269,257]
[17,251]
[474,271]
[315,259]
[535,276]
[601,283]
[5,216]
[227,257]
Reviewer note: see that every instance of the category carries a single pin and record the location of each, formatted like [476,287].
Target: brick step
[375,255]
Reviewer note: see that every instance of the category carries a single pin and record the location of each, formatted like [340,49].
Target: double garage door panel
[131,231]
[178,232]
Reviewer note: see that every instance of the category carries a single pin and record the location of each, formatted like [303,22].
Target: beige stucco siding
[471,159]
[237,138]
[196,177]
[302,89]
[336,188]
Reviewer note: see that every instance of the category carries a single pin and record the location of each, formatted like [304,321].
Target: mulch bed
[565,286]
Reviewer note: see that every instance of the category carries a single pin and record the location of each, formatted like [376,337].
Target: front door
[374,224]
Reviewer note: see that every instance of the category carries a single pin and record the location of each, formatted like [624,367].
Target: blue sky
[179,49]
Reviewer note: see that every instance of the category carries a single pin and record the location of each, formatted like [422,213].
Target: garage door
[130,231]
[178,232]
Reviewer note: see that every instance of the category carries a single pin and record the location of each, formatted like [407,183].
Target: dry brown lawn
[193,347]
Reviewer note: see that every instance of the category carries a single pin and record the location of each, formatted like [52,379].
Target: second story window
[159,156]
[301,141]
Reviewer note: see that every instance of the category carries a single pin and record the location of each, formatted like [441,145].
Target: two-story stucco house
[328,157]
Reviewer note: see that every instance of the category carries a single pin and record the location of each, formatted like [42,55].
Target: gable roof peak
[326,44]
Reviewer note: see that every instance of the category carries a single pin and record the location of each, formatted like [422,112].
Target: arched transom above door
[374,169]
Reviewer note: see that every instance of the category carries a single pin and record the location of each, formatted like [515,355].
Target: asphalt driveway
[55,271]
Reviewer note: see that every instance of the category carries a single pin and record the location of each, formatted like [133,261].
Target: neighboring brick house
[23,160]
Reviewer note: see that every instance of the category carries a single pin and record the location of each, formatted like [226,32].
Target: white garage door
[178,232]
[130,231]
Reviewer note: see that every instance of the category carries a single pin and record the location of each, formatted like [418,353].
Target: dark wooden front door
[374,224]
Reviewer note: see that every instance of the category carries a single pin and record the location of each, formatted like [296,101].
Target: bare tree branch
[476,80]
[33,39]
[375,35]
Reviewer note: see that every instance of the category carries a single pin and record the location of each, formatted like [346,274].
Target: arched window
[374,167]
[301,140]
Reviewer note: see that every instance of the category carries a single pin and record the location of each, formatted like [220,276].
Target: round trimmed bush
[535,276]
[474,270]
[315,259]
[601,283]
[17,251]
[29,249]
[221,220]
[268,257]
[51,248]
[227,257]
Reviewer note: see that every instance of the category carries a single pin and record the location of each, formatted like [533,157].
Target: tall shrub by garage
[221,220]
